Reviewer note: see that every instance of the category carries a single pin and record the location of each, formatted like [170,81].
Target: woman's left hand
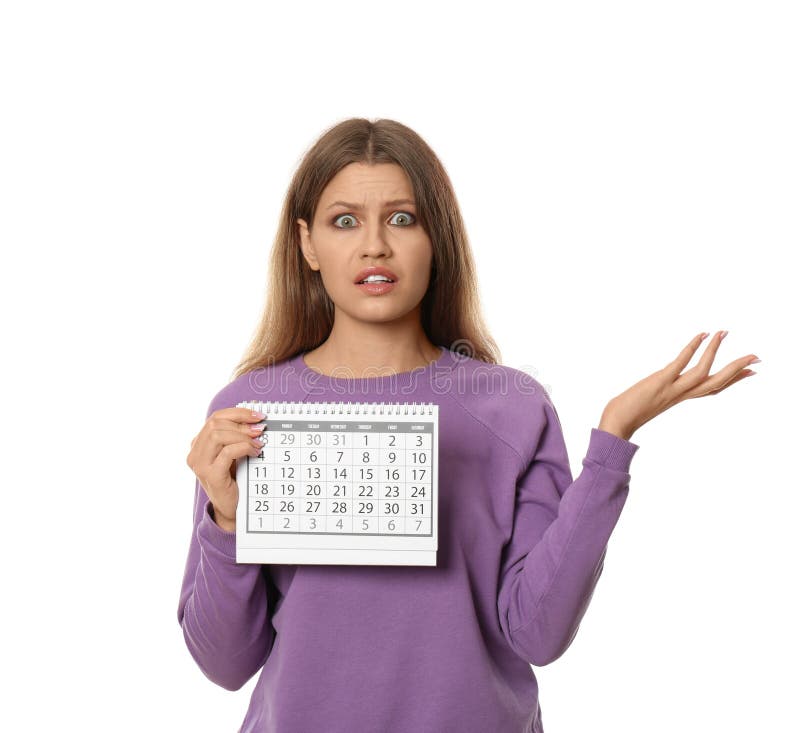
[667,387]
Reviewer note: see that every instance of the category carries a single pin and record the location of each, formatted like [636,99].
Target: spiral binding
[341,408]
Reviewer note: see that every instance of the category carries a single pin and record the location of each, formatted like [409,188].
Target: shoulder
[274,382]
[510,404]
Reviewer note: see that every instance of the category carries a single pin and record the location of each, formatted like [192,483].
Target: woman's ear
[305,245]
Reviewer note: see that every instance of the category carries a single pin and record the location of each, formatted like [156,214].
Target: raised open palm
[668,386]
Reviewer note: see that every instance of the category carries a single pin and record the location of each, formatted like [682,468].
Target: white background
[628,173]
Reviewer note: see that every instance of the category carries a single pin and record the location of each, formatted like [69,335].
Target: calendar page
[341,484]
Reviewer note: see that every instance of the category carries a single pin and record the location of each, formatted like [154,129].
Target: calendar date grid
[344,478]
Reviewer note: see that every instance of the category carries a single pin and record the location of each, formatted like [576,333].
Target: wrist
[610,425]
[229,525]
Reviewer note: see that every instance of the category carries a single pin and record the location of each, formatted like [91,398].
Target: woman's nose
[374,241]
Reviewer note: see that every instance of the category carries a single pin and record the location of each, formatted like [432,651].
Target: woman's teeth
[376,279]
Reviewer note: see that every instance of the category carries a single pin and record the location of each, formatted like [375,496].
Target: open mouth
[373,286]
[375,275]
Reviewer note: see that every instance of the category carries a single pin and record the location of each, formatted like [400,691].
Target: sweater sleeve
[554,557]
[223,608]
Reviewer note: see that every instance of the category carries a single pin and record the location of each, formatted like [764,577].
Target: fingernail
[755,361]
[703,335]
[724,334]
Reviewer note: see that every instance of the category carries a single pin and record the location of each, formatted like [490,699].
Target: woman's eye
[345,217]
[409,218]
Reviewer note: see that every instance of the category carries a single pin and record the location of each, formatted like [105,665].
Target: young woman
[356,648]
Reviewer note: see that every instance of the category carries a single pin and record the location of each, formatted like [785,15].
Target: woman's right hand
[227,434]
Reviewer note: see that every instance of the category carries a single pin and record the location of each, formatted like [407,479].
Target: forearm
[224,609]
[546,600]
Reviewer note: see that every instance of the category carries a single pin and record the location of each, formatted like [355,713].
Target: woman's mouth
[376,280]
[376,286]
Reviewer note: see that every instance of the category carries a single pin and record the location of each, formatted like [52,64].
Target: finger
[738,378]
[227,458]
[244,421]
[707,359]
[215,440]
[704,391]
[715,382]
[224,466]
[237,414]
[238,419]
[677,365]
[699,372]
[699,379]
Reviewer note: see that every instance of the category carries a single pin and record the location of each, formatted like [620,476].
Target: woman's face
[367,217]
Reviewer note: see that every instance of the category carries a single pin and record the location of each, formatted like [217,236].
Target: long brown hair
[298,315]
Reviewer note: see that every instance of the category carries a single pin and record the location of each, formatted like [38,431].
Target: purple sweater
[445,649]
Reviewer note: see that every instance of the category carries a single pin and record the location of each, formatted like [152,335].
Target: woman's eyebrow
[356,207]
